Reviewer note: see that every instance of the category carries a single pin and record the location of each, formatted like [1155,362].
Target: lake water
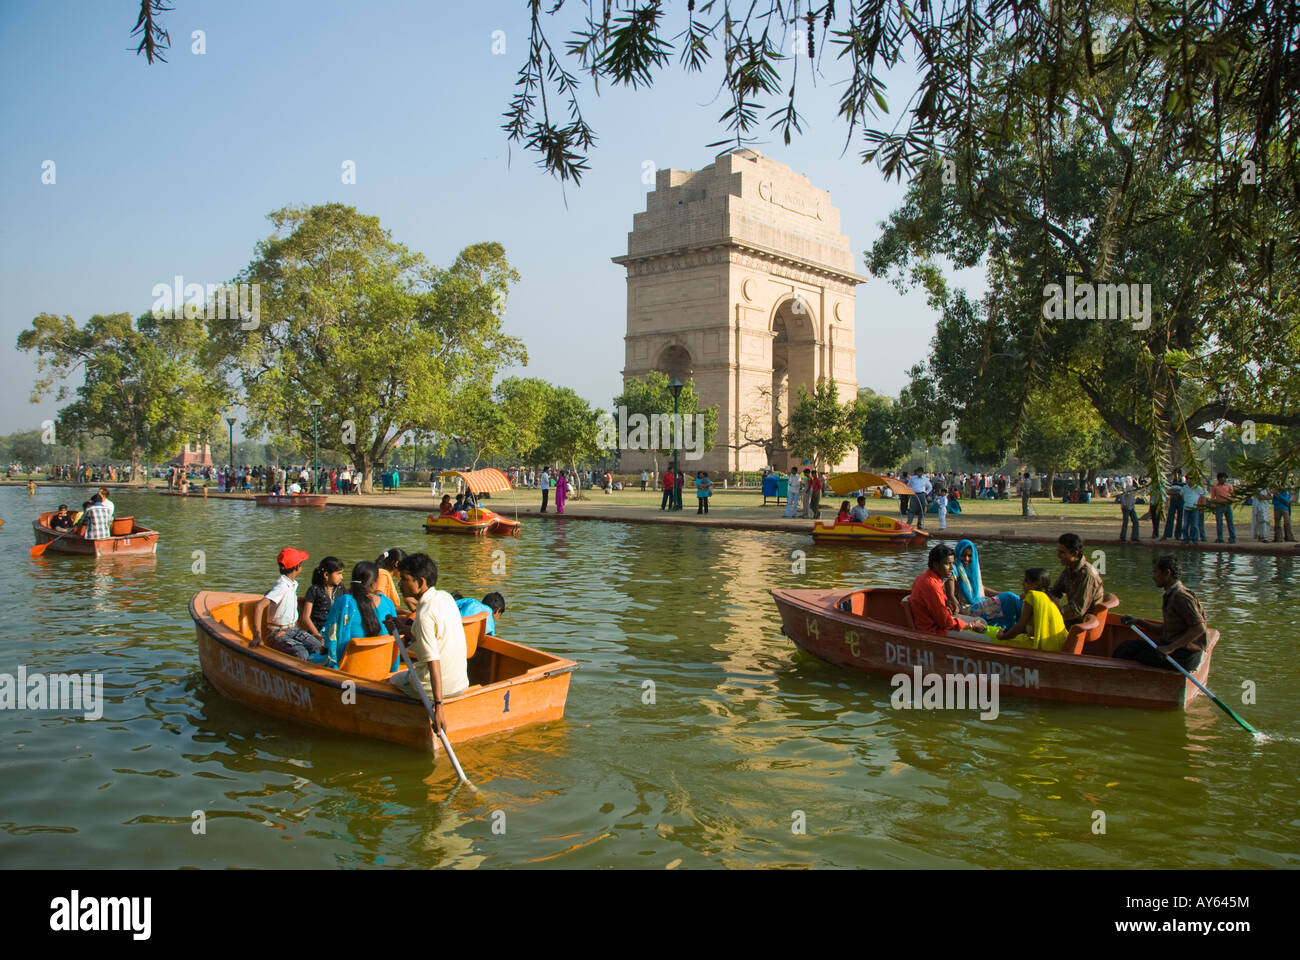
[747,740]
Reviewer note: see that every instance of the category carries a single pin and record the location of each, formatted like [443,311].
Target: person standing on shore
[1127,506]
[805,490]
[703,488]
[1174,519]
[1259,515]
[678,484]
[544,485]
[815,496]
[1221,500]
[645,478]
[666,485]
[792,493]
[561,490]
[1282,515]
[917,502]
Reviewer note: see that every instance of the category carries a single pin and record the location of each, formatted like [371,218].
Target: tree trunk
[362,462]
[1051,489]
[577,482]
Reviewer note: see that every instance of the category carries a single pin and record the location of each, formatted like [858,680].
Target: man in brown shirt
[1183,632]
[1079,586]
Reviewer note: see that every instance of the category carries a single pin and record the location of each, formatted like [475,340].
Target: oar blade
[1232,713]
[39,549]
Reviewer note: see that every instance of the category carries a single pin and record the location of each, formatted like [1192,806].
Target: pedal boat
[291,499]
[876,529]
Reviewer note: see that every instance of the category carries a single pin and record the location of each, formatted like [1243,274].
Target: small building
[193,456]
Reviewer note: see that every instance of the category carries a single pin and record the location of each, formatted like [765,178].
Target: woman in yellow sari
[1041,626]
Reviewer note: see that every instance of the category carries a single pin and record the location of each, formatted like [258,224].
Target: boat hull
[141,541]
[521,687]
[435,524]
[871,637]
[874,530]
[289,500]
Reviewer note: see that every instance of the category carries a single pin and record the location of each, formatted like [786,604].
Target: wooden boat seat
[1098,611]
[906,604]
[370,658]
[475,631]
[122,526]
[1080,633]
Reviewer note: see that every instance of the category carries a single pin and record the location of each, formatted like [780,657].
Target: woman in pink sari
[561,491]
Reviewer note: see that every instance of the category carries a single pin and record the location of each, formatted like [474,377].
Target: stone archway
[675,361]
[794,359]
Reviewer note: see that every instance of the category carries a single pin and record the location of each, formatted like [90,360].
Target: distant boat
[291,499]
[128,539]
[876,529]
[512,685]
[871,630]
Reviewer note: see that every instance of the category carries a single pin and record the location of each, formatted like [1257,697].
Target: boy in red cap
[276,615]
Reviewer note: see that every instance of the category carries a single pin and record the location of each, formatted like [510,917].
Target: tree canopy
[823,430]
[384,341]
[649,396]
[143,387]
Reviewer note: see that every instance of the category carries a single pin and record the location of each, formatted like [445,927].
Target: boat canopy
[487,480]
[844,483]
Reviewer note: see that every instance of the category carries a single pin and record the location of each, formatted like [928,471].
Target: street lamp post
[675,387]
[315,436]
[231,465]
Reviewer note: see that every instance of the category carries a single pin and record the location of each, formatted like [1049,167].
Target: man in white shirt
[544,484]
[275,618]
[437,637]
[103,498]
[918,503]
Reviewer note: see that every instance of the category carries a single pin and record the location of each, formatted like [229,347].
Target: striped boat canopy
[487,480]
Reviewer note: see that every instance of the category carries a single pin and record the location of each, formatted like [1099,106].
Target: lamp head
[675,387]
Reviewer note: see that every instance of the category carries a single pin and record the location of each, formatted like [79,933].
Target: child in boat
[445,508]
[387,563]
[315,608]
[493,604]
[1040,625]
[275,618]
[76,517]
[61,520]
[844,515]
[358,613]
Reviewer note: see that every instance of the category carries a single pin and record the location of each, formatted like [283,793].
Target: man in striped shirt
[97,522]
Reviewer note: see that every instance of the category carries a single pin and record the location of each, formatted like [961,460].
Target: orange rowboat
[511,685]
[128,539]
[869,630]
[291,500]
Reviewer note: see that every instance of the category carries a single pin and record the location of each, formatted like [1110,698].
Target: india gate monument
[739,279]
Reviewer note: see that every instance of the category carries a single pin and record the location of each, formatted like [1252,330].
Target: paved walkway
[1097,523]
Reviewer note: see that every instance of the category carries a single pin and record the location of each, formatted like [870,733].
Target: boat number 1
[851,641]
[507,706]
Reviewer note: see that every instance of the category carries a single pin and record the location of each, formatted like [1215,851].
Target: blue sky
[172,168]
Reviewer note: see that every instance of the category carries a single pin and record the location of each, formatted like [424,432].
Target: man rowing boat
[1183,630]
[437,637]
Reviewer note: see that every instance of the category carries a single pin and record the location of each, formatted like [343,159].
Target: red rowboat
[128,539]
[511,685]
[870,630]
[291,499]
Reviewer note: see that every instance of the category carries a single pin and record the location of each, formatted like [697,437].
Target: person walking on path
[544,485]
[792,493]
[703,487]
[561,490]
[815,495]
[1282,515]
[1127,501]
[1221,499]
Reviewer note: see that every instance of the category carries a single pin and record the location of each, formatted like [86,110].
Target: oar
[1129,622]
[40,548]
[391,624]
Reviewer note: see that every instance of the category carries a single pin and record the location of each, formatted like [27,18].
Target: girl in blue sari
[360,613]
[966,571]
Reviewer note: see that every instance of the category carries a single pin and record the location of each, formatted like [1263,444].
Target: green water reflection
[746,736]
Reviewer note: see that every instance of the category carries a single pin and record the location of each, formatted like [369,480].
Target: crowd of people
[319,626]
[950,598]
